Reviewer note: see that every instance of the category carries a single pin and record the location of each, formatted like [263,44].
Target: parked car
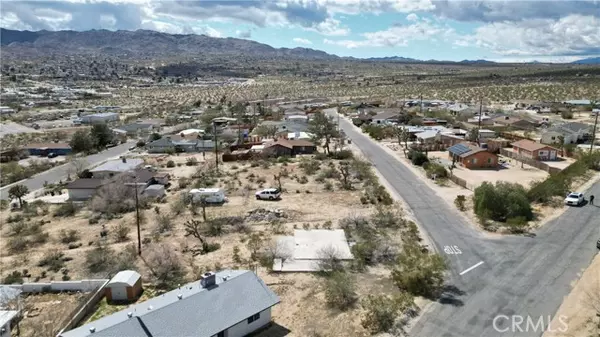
[268,194]
[52,155]
[574,199]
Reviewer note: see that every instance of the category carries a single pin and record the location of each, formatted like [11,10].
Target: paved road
[60,172]
[526,276]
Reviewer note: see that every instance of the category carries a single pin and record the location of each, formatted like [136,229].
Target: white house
[571,132]
[5,110]
[230,303]
[117,166]
[83,189]
[99,118]
[485,134]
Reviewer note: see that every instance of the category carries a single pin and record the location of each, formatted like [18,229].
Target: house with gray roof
[178,144]
[229,303]
[117,166]
[571,133]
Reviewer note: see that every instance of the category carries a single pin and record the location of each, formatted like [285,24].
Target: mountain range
[152,44]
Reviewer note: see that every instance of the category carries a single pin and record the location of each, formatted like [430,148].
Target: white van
[209,195]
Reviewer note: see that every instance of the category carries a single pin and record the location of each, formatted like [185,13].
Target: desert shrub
[13,278]
[376,193]
[178,206]
[39,238]
[329,260]
[121,231]
[418,158]
[501,202]
[435,169]
[126,259]
[208,247]
[191,161]
[309,166]
[17,228]
[115,197]
[99,259]
[183,182]
[165,265]
[14,218]
[321,156]
[163,223]
[68,236]
[342,155]
[53,260]
[419,272]
[330,173]
[66,209]
[284,159]
[382,311]
[460,201]
[140,143]
[387,217]
[328,186]
[566,114]
[17,244]
[303,180]
[340,291]
[170,164]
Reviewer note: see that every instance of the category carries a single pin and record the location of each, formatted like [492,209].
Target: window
[490,160]
[253,318]
[474,160]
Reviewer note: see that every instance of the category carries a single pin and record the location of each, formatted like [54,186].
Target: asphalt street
[509,275]
[60,172]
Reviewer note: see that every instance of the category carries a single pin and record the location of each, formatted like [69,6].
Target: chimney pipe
[124,159]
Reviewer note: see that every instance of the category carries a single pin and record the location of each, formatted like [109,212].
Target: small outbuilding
[126,287]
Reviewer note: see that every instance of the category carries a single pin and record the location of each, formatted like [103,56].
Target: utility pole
[421,104]
[479,124]
[216,146]
[137,215]
[594,131]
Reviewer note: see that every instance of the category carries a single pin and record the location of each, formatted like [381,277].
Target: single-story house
[306,249]
[137,129]
[386,116]
[154,191]
[99,118]
[580,102]
[297,118]
[472,157]
[514,122]
[485,120]
[536,151]
[572,133]
[285,147]
[449,139]
[229,303]
[299,135]
[124,287]
[427,137]
[6,319]
[116,166]
[84,189]
[43,149]
[5,110]
[167,144]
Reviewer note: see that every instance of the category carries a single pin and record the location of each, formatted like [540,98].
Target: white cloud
[330,27]
[397,36]
[376,6]
[570,35]
[301,40]
[412,17]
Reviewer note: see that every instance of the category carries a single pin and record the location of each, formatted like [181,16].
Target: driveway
[60,172]
[490,278]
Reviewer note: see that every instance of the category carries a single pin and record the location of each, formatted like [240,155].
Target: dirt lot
[579,309]
[44,313]
[306,203]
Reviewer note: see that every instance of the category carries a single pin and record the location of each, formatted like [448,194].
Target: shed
[126,286]
[155,191]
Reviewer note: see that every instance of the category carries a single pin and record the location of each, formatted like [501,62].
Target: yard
[511,171]
[44,313]
[313,198]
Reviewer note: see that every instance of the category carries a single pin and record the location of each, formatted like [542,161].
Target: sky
[504,31]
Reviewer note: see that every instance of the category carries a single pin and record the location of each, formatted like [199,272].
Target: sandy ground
[580,307]
[42,314]
[302,310]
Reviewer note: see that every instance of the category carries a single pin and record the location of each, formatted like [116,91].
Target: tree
[419,272]
[323,129]
[101,135]
[154,136]
[18,192]
[340,291]
[382,311]
[473,135]
[81,141]
[329,259]
[165,265]
[403,135]
[194,228]
[267,131]
[345,175]
[501,202]
[77,166]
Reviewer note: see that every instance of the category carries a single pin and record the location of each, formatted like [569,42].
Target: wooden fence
[531,162]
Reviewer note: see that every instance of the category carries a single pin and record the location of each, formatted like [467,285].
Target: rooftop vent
[179,296]
[130,314]
[92,329]
[150,308]
[208,280]
[124,159]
